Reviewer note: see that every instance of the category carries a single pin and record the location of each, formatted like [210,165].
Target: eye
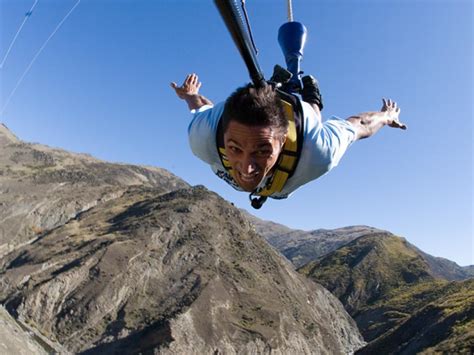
[234,149]
[264,153]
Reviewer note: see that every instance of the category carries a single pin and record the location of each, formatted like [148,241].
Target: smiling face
[252,152]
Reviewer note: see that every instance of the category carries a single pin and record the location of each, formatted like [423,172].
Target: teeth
[248,177]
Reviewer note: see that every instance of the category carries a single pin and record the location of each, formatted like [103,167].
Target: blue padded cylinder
[292,38]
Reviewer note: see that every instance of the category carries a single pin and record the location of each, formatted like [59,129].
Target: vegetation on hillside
[397,302]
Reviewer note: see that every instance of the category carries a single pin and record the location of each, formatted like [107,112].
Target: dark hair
[255,107]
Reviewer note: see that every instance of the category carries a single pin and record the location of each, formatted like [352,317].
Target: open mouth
[248,177]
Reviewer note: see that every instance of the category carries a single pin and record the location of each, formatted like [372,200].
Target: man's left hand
[393,111]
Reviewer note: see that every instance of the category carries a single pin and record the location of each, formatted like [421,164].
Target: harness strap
[286,163]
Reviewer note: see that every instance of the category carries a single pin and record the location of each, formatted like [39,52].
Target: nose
[249,166]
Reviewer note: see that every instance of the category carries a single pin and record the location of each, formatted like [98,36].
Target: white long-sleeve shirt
[324,145]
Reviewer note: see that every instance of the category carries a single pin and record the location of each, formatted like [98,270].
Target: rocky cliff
[108,258]
[15,339]
[42,187]
[179,272]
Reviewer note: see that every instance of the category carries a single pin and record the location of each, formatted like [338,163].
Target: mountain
[128,259]
[469,270]
[181,271]
[446,269]
[368,268]
[398,302]
[431,318]
[42,188]
[301,247]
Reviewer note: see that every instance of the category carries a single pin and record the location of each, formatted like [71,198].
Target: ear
[283,139]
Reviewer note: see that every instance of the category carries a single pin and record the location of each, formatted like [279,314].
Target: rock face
[108,258]
[15,340]
[42,188]
[181,272]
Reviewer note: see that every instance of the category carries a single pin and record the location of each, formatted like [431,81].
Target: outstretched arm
[368,123]
[189,92]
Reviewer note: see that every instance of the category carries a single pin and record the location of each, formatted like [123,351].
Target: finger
[195,79]
[174,85]
[198,86]
[384,101]
[187,80]
[398,124]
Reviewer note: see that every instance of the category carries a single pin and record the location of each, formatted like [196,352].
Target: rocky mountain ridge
[116,258]
[446,269]
[399,304]
[158,271]
[404,300]
[301,247]
[368,268]
[42,188]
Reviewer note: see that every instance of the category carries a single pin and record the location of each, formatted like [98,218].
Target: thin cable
[249,29]
[27,16]
[290,11]
[36,56]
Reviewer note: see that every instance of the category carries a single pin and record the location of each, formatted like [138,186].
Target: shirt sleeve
[336,135]
[325,144]
[202,132]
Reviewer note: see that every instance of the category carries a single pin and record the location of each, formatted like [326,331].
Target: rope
[36,56]
[290,11]
[27,16]
[249,29]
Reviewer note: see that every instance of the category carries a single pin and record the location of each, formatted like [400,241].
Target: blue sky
[101,86]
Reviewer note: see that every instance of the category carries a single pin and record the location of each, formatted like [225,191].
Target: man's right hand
[189,92]
[189,88]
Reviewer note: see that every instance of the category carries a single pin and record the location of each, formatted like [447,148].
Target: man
[269,144]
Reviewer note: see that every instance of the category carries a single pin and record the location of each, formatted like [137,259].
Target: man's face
[252,152]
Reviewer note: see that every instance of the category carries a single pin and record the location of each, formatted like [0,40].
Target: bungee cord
[231,13]
[36,56]
[290,11]
[27,16]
